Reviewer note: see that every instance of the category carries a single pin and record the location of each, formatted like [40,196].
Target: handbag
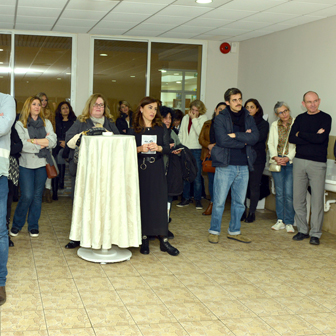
[52,171]
[207,165]
[274,167]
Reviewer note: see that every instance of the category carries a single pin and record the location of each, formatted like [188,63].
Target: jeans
[211,177]
[32,184]
[3,230]
[198,180]
[283,181]
[236,178]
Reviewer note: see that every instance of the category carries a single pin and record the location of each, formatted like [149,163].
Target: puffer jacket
[220,153]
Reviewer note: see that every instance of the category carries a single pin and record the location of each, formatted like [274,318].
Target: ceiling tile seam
[15,12]
[209,31]
[59,16]
[149,17]
[104,16]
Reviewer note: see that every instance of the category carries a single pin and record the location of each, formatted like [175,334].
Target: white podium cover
[106,206]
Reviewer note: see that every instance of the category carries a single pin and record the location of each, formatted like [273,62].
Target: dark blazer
[260,146]
[223,125]
[121,122]
[16,143]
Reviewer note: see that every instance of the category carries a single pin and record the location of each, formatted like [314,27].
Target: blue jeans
[198,180]
[236,178]
[283,181]
[211,177]
[3,230]
[32,185]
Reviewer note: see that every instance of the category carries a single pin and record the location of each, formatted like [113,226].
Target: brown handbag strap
[206,157]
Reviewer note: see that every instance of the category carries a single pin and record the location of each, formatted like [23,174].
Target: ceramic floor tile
[72,332]
[266,307]
[302,305]
[19,320]
[93,284]
[59,300]
[25,333]
[326,301]
[22,286]
[153,313]
[244,291]
[109,316]
[210,293]
[101,299]
[163,329]
[194,311]
[206,328]
[120,269]
[290,325]
[128,282]
[127,330]
[58,286]
[174,295]
[66,318]
[53,272]
[249,326]
[22,302]
[87,271]
[162,281]
[324,322]
[138,297]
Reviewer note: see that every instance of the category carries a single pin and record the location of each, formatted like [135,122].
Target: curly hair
[138,122]
[89,106]
[200,105]
[25,112]
[58,113]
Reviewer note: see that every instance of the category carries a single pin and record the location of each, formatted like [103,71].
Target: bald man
[310,133]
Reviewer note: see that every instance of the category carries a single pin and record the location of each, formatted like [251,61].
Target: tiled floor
[273,286]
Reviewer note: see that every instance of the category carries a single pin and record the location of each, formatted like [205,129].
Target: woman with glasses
[281,156]
[95,114]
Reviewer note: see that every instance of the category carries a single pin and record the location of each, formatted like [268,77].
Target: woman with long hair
[152,139]
[124,120]
[65,117]
[256,111]
[38,137]
[48,114]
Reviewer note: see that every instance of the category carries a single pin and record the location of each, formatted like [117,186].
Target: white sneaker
[279,225]
[289,228]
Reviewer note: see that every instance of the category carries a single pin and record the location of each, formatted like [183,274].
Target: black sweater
[309,144]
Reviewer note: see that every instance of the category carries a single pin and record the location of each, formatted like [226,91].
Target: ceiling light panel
[214,4]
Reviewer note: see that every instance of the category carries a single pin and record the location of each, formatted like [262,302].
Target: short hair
[304,96]
[219,104]
[230,92]
[178,114]
[260,111]
[89,105]
[58,114]
[280,104]
[25,112]
[200,105]
[138,122]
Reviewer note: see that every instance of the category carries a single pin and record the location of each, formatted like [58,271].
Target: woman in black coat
[125,118]
[253,106]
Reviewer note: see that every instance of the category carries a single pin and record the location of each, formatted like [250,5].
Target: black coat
[260,146]
[121,122]
[16,143]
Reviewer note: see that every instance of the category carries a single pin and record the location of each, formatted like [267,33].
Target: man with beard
[233,156]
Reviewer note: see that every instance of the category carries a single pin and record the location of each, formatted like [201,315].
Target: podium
[106,211]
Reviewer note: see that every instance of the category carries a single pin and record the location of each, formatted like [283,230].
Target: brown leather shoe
[48,195]
[208,210]
[2,295]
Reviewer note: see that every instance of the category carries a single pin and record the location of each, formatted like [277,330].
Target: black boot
[61,168]
[54,184]
[145,245]
[250,218]
[170,235]
[10,243]
[166,247]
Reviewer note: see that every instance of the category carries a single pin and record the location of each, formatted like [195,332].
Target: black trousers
[9,199]
[254,185]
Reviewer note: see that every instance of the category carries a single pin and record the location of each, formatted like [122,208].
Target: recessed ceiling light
[203,1]
[59,78]
[162,70]
[1,62]
[103,55]
[68,73]
[178,82]
[176,74]
[132,76]
[113,80]
[1,49]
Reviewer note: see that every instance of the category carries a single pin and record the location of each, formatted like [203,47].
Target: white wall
[221,74]
[285,65]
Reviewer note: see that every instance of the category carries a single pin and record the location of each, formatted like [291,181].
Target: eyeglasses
[284,111]
[98,105]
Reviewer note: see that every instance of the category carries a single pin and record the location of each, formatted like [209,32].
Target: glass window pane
[42,64]
[120,71]
[5,73]
[175,73]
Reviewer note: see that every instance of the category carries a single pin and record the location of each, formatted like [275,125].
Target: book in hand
[146,139]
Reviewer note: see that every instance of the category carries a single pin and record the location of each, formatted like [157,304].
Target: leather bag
[207,165]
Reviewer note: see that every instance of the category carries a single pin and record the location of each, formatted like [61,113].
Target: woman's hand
[281,161]
[154,147]
[171,145]
[62,143]
[144,148]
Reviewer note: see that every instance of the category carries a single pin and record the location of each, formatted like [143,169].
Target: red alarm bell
[225,48]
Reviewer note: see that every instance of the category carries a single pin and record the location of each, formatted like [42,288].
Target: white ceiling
[232,20]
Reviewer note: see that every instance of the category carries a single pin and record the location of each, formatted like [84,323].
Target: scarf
[36,130]
[238,118]
[98,121]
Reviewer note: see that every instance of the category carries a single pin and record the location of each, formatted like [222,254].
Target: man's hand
[248,131]
[320,131]
[232,135]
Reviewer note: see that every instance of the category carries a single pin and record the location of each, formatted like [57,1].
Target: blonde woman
[124,120]
[95,114]
[282,153]
[48,114]
[189,133]
[38,137]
